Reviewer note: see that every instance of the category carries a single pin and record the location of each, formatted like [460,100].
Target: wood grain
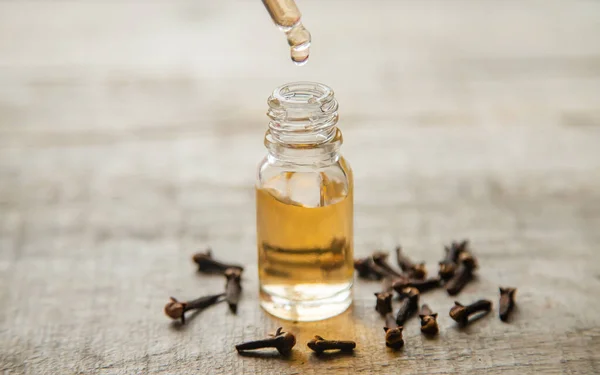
[129,136]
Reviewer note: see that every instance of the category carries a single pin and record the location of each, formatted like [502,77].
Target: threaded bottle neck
[303,115]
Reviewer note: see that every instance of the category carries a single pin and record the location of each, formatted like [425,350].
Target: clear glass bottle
[304,207]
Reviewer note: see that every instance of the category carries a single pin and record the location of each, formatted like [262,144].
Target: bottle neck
[303,122]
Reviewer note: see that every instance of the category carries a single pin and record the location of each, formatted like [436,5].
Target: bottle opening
[302,113]
[302,93]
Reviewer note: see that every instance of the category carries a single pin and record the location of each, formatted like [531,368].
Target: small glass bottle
[304,207]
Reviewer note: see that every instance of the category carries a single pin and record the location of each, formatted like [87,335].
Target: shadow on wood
[176,325]
[270,354]
[331,356]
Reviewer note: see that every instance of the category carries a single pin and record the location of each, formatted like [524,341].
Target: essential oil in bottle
[288,18]
[304,201]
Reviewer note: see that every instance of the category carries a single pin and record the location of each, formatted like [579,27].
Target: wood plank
[129,137]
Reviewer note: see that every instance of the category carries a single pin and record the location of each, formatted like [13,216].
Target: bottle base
[306,302]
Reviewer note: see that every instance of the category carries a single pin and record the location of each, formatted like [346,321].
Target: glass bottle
[304,207]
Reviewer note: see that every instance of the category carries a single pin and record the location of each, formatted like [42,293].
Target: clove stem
[233,288]
[380,258]
[449,264]
[414,270]
[461,313]
[507,302]
[282,341]
[421,285]
[318,344]
[206,263]
[464,273]
[176,310]
[408,305]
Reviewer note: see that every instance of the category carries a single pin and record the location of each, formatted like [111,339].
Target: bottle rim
[301,94]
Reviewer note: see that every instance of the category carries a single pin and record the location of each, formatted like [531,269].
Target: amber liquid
[305,252]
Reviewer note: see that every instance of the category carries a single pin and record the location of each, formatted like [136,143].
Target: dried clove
[383,304]
[282,341]
[449,264]
[507,302]
[461,313]
[380,258]
[207,264]
[464,273]
[414,270]
[446,270]
[319,345]
[421,285]
[455,249]
[429,324]
[361,265]
[368,270]
[233,288]
[393,333]
[408,305]
[176,310]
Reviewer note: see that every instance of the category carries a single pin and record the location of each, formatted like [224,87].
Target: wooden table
[129,136]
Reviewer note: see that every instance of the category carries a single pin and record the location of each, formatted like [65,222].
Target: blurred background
[106,102]
[130,132]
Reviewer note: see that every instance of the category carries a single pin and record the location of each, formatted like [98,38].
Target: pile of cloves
[175,309]
[456,270]
[409,281]
[282,341]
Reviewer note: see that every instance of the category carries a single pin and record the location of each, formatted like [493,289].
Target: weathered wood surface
[129,136]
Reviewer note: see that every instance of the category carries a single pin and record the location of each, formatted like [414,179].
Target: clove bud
[449,264]
[207,264]
[233,288]
[393,333]
[319,345]
[464,273]
[507,302]
[461,313]
[176,310]
[429,324]
[408,305]
[368,270]
[282,341]
[383,304]
[414,270]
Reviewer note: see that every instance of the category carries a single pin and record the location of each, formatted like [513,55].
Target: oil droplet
[299,39]
[300,56]
[287,17]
